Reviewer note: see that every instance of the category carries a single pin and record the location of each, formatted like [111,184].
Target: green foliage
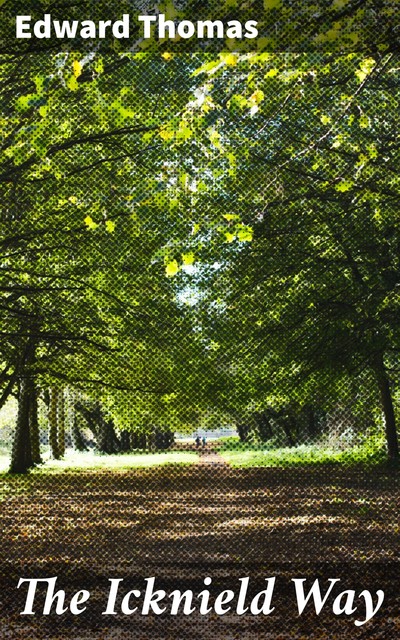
[313,296]
[233,249]
[304,456]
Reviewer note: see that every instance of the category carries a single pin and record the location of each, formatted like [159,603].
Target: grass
[303,455]
[76,461]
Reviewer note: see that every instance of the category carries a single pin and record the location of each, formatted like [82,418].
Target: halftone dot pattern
[199,318]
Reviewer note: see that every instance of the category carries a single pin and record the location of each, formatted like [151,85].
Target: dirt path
[211,457]
[184,523]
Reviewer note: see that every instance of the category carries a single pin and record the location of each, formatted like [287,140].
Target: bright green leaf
[188,258]
[345,185]
[89,222]
[77,68]
[72,84]
[171,268]
[229,236]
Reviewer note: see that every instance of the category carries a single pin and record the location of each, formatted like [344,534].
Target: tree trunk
[61,424]
[108,441]
[21,456]
[311,423]
[151,440]
[103,430]
[286,423]
[53,424]
[77,438]
[34,427]
[133,440]
[388,410]
[243,431]
[125,441]
[263,426]
[142,441]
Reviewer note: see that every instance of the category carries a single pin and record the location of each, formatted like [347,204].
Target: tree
[310,174]
[72,285]
[272,179]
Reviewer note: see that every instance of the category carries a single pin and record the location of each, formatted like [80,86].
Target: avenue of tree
[193,238]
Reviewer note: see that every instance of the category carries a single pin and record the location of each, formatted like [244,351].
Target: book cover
[199,305]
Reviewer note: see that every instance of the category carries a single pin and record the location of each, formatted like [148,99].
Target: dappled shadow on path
[183,524]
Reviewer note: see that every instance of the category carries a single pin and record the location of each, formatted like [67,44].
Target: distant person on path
[197,441]
[204,441]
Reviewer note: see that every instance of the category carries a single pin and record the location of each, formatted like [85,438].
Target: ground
[181,524]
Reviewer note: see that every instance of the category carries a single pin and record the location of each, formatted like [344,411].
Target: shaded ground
[183,524]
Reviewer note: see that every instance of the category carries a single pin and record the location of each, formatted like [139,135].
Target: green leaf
[27,102]
[245,234]
[99,66]
[167,134]
[230,59]
[257,97]
[77,68]
[365,68]
[72,84]
[345,185]
[188,258]
[229,237]
[271,73]
[171,268]
[209,67]
[272,4]
[184,132]
[215,138]
[89,222]
[237,101]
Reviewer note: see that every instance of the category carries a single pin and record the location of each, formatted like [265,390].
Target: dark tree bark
[137,440]
[125,441]
[34,427]
[311,422]
[102,429]
[243,431]
[163,439]
[61,423]
[53,424]
[133,440]
[169,439]
[151,440]
[287,423]
[108,441]
[89,417]
[21,456]
[263,426]
[387,407]
[143,442]
[77,438]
